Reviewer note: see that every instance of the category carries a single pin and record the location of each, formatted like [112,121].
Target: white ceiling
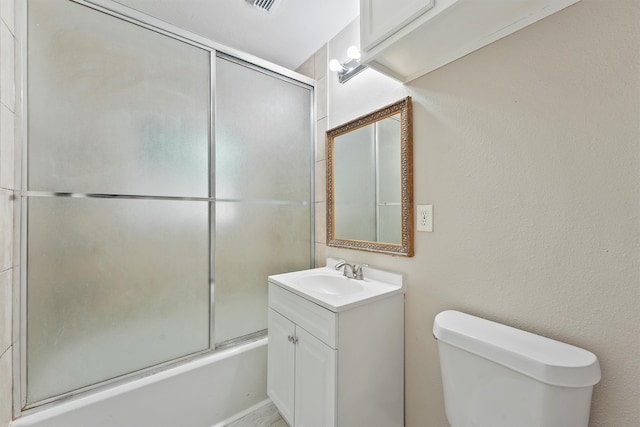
[288,35]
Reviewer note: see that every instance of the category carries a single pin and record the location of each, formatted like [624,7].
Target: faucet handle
[341,263]
[357,271]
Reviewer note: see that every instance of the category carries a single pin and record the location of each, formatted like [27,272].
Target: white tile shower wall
[321,65]
[7,14]
[6,225]
[307,68]
[7,195]
[316,68]
[6,292]
[7,144]
[5,389]
[7,79]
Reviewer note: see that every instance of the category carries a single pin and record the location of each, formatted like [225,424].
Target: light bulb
[334,65]
[353,52]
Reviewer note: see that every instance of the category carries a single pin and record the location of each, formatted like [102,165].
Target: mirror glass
[369,182]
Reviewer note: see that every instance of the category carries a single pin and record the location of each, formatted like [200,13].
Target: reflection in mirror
[369,182]
[367,201]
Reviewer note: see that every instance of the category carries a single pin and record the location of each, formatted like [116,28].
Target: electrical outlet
[425,218]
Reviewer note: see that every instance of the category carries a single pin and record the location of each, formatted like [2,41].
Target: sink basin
[330,284]
[328,288]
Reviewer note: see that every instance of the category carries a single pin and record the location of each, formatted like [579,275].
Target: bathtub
[211,391]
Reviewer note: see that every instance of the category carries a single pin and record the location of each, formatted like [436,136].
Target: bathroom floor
[266,416]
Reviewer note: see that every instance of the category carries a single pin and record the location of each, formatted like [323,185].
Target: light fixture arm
[350,68]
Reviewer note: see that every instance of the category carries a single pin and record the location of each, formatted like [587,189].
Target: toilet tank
[494,375]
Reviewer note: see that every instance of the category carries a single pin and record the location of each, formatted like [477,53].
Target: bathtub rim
[121,385]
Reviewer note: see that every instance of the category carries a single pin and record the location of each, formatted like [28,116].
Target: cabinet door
[315,382]
[382,18]
[281,364]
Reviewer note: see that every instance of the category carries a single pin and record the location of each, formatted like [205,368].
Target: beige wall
[529,151]
[7,187]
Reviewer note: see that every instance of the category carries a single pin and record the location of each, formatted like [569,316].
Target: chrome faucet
[355,270]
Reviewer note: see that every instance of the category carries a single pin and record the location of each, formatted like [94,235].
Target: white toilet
[498,376]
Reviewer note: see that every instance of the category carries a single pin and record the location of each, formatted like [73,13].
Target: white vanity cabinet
[301,374]
[408,38]
[336,368]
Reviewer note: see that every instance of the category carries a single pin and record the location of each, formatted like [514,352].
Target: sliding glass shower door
[262,185]
[144,206]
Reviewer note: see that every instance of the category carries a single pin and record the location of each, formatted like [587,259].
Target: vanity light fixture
[350,68]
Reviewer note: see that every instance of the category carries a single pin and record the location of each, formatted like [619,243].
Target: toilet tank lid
[546,360]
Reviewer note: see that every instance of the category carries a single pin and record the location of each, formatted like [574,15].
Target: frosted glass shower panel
[253,241]
[114,108]
[115,285]
[263,190]
[263,135]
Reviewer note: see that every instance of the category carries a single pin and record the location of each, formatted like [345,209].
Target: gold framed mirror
[370,182]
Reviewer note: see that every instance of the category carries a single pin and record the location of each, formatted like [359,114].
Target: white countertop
[377,284]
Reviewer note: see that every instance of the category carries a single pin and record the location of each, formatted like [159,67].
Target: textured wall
[529,151]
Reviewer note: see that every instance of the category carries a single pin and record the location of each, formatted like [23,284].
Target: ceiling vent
[265,5]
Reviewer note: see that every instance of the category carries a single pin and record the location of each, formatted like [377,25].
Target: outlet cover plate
[425,218]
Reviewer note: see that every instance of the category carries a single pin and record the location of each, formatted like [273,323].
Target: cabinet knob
[292,339]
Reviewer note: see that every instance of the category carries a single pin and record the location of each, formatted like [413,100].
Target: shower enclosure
[163,180]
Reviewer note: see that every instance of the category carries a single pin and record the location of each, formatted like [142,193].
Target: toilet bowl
[494,375]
